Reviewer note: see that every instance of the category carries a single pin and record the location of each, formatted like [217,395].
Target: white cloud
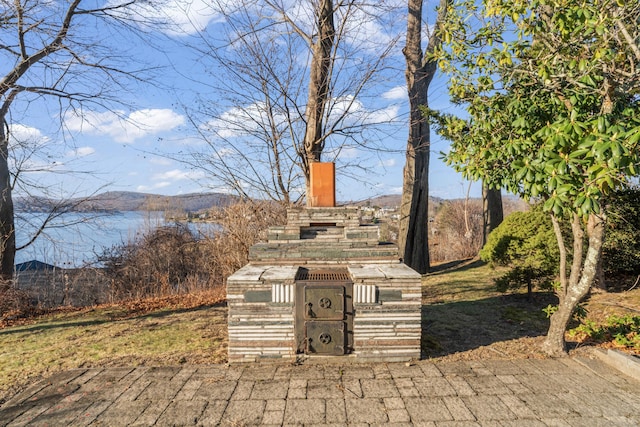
[397,93]
[177,175]
[242,121]
[81,152]
[155,186]
[349,153]
[125,128]
[161,161]
[173,17]
[385,115]
[388,163]
[21,134]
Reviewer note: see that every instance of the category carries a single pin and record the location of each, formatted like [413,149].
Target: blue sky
[123,149]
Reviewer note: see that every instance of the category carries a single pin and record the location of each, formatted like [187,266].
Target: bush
[173,260]
[155,265]
[526,243]
[620,331]
[456,232]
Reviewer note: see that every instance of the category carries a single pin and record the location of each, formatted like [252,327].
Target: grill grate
[323,275]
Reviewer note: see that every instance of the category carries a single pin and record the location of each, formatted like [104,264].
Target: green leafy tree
[552,92]
[526,243]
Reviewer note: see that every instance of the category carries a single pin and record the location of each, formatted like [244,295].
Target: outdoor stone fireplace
[324,286]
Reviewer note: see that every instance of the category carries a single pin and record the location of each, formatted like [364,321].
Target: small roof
[34,265]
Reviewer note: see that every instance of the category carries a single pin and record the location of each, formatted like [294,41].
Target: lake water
[76,239]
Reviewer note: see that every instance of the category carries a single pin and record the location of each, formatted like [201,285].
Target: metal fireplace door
[323,317]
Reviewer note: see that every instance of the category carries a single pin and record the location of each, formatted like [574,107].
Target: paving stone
[488,408]
[183,413]
[297,393]
[547,405]
[517,406]
[254,373]
[85,377]
[623,421]
[429,369]
[508,379]
[462,424]
[487,385]
[369,410]
[503,367]
[132,392]
[305,411]
[335,411]
[242,390]
[359,372]
[631,399]
[537,383]
[458,409]
[589,422]
[423,409]
[529,368]
[121,413]
[423,423]
[460,386]
[401,370]
[273,417]
[189,389]
[555,422]
[213,413]
[220,390]
[393,403]
[275,405]
[379,388]
[68,413]
[435,386]
[241,412]
[264,390]
[159,389]
[352,388]
[381,371]
[522,423]
[151,414]
[324,389]
[456,368]
[398,416]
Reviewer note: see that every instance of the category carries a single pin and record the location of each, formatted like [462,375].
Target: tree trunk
[319,82]
[555,344]
[413,237]
[7,228]
[492,212]
[416,247]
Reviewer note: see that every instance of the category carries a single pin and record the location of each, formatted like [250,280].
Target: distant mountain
[130,201]
[390,201]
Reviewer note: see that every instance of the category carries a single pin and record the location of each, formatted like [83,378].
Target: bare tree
[52,49]
[421,67]
[295,80]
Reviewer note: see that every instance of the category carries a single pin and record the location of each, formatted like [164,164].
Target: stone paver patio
[566,392]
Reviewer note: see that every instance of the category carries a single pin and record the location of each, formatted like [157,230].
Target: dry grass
[466,318]
[165,331]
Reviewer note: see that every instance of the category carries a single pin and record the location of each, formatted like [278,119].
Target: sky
[133,148]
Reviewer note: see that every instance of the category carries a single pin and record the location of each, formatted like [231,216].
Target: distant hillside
[132,201]
[391,201]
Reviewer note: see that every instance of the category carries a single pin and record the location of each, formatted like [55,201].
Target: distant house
[35,265]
